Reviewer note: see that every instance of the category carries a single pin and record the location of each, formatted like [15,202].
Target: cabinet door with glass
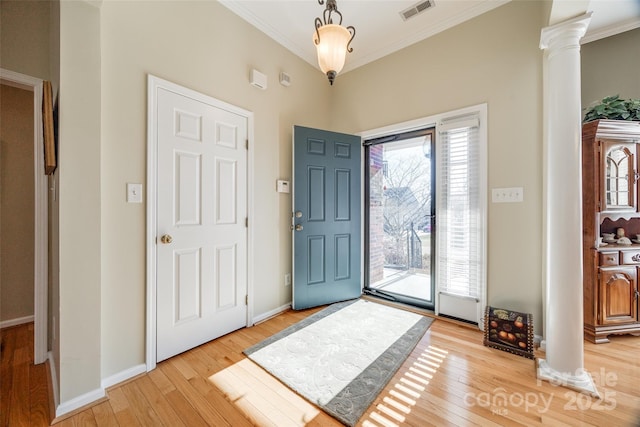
[619,177]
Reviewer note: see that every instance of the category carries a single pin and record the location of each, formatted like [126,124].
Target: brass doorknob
[166,238]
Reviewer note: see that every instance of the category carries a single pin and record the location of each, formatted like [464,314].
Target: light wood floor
[449,379]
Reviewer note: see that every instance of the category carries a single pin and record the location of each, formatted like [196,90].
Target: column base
[582,382]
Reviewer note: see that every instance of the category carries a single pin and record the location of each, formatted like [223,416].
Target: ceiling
[380,29]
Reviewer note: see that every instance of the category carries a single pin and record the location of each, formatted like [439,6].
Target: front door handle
[299,227]
[166,239]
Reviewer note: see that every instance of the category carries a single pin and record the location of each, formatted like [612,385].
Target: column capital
[565,33]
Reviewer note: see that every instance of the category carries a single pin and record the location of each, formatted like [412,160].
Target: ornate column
[564,364]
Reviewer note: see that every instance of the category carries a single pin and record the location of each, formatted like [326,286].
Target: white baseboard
[80,401]
[16,322]
[123,376]
[92,396]
[270,314]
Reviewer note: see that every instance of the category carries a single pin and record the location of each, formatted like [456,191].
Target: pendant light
[332,40]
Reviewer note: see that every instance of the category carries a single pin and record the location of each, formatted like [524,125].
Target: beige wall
[53,217]
[479,61]
[79,201]
[17,207]
[203,46]
[611,66]
[24,27]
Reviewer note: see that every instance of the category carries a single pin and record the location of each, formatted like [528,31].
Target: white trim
[54,378]
[92,396]
[123,376]
[152,161]
[611,30]
[80,401]
[436,121]
[153,84]
[271,313]
[421,123]
[40,261]
[580,381]
[15,322]
[250,216]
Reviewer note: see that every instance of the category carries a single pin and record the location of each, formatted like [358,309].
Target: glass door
[400,217]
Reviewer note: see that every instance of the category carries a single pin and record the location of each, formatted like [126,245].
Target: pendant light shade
[332,47]
[332,41]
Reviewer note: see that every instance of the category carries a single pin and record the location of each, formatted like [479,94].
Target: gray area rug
[340,358]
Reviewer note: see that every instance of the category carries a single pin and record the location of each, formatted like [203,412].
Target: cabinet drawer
[609,258]
[631,257]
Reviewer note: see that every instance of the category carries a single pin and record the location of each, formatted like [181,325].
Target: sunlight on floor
[397,404]
[262,398]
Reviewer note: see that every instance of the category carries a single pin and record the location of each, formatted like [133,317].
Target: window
[461,226]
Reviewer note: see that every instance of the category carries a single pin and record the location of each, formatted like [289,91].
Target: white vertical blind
[461,264]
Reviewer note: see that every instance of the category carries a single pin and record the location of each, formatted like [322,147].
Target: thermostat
[282,186]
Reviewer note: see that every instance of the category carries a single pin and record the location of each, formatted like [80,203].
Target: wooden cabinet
[610,194]
[617,289]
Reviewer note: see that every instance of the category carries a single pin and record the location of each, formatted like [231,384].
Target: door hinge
[246,222]
[246,144]
[246,299]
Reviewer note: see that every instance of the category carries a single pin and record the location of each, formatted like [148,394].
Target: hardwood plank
[19,411]
[104,416]
[450,378]
[185,410]
[7,349]
[199,402]
[140,406]
[38,395]
[158,402]
[120,407]
[84,419]
[213,394]
[161,381]
[261,397]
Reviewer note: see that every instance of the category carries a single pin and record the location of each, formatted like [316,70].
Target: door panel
[617,296]
[326,195]
[202,205]
[400,215]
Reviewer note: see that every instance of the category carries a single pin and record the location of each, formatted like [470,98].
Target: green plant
[614,108]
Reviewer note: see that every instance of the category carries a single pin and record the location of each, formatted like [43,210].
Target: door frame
[41,254]
[434,121]
[153,84]
[401,298]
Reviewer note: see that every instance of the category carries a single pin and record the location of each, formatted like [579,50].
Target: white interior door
[201,231]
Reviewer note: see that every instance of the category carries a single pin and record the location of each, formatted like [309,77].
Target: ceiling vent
[417,9]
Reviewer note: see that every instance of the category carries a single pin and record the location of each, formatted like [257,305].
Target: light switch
[134,193]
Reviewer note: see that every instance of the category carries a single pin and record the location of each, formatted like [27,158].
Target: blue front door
[326,217]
